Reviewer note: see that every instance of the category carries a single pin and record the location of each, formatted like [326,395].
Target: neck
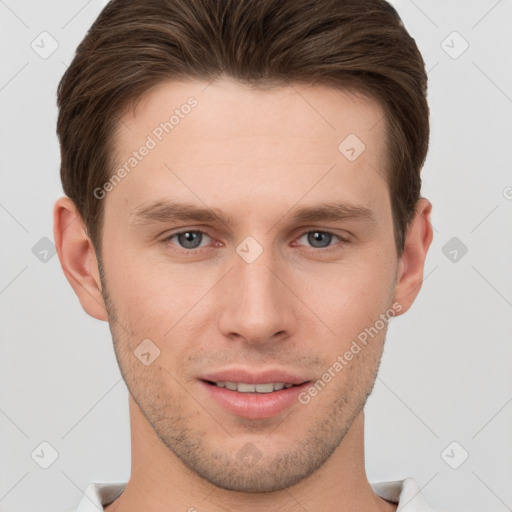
[160,482]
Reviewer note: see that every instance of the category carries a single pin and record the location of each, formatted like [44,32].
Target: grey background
[445,374]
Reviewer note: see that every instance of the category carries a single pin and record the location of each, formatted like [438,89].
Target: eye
[188,239]
[321,239]
[194,238]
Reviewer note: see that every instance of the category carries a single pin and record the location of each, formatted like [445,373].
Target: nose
[258,305]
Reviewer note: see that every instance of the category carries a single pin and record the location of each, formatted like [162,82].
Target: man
[243,207]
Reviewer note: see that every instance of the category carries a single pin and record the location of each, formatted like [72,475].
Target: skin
[256,156]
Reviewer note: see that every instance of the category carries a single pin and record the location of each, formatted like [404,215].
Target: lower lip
[255,405]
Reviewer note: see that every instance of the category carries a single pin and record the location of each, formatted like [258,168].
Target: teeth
[243,387]
[263,388]
[246,388]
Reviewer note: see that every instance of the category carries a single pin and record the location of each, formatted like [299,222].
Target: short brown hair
[132,46]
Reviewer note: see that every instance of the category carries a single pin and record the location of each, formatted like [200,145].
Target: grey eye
[189,239]
[319,238]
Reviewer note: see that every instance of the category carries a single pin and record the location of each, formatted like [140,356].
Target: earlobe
[412,262]
[77,257]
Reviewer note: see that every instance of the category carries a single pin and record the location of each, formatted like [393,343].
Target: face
[250,250]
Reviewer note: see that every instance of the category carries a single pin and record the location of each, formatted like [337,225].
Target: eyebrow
[167,211]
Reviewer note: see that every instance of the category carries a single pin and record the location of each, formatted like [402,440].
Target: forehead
[225,140]
[307,112]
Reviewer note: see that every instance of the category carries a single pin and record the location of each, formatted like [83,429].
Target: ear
[77,257]
[411,264]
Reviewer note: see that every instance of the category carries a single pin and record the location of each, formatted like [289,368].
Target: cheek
[350,296]
[160,301]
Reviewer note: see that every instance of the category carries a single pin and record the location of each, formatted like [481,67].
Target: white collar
[404,492]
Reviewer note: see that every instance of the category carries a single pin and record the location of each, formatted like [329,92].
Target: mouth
[253,395]
[244,387]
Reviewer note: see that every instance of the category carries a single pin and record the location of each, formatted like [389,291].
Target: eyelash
[341,241]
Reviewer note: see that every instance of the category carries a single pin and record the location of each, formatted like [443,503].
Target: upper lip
[254,377]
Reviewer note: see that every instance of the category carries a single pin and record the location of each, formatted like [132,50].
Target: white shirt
[404,492]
